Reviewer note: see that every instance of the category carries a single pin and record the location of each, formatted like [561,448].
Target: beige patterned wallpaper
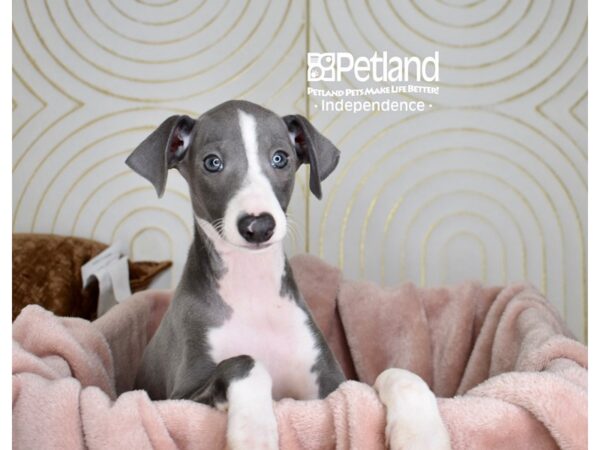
[489,183]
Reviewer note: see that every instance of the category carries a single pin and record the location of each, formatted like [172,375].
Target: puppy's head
[239,160]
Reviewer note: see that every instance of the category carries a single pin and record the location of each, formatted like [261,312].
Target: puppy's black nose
[256,229]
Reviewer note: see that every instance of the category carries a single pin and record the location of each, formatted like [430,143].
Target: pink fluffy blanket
[506,371]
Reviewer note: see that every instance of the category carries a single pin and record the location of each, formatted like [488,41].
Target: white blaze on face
[256,194]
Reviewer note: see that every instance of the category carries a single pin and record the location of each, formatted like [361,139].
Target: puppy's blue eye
[279,159]
[213,163]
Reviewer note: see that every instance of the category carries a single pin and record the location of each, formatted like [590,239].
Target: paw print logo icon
[316,73]
[321,67]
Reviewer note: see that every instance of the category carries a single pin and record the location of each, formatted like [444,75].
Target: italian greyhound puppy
[238,334]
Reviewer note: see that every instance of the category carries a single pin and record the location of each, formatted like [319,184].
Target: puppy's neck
[246,266]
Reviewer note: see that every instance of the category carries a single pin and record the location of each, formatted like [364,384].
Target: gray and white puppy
[238,333]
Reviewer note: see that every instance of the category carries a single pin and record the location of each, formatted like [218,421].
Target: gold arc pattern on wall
[403,168]
[104,90]
[437,224]
[346,31]
[92,78]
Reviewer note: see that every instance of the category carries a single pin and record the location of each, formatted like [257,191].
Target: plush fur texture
[507,373]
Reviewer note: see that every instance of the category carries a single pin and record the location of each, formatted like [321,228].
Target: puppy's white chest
[267,326]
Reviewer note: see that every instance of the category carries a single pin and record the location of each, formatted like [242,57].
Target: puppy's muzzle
[256,229]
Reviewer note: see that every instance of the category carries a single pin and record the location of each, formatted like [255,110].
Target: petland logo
[331,66]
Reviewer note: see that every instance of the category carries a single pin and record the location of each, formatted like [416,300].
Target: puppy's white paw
[255,430]
[251,419]
[413,421]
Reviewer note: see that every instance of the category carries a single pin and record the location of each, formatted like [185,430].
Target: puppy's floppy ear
[312,148]
[162,150]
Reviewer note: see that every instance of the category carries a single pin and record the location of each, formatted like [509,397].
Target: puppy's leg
[242,386]
[413,418]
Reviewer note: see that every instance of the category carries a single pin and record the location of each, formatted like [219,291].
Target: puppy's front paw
[254,430]
[251,419]
[413,421]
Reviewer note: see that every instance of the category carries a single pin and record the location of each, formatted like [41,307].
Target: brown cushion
[47,272]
